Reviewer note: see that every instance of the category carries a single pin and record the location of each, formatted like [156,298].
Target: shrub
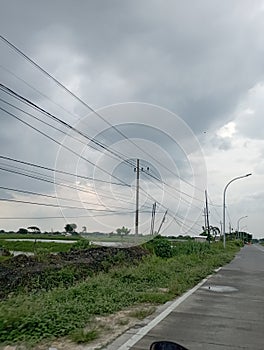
[81,244]
[160,246]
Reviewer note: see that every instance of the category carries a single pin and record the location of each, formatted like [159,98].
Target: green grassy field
[37,236]
[23,246]
[34,247]
[32,317]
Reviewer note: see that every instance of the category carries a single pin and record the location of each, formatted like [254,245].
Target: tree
[22,231]
[70,228]
[123,231]
[33,229]
[213,232]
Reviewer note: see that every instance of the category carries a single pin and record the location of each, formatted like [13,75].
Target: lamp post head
[248,175]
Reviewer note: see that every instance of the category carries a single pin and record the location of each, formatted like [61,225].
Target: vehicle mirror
[166,345]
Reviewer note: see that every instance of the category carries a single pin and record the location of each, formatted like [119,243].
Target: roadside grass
[80,336]
[67,311]
[3,258]
[143,313]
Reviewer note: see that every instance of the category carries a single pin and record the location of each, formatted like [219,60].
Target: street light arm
[224,195]
[238,221]
[234,179]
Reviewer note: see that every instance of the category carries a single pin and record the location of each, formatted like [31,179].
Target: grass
[64,311]
[116,238]
[80,336]
[30,246]
[123,321]
[3,258]
[37,236]
[142,313]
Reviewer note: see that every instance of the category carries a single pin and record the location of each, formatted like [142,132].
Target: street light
[224,195]
[238,221]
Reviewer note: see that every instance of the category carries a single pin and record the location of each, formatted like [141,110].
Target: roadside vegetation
[30,243]
[38,236]
[35,247]
[152,274]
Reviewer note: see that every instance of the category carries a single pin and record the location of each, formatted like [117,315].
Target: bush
[160,246]
[67,309]
[81,244]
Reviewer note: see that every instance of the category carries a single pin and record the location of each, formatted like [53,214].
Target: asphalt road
[226,312]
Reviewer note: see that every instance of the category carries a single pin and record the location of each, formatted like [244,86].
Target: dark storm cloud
[196,59]
[152,135]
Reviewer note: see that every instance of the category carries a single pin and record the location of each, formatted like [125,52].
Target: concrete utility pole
[162,221]
[207,217]
[137,198]
[137,170]
[153,214]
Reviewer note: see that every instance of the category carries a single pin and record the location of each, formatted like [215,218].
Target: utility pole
[207,217]
[205,221]
[162,221]
[137,198]
[137,170]
[153,214]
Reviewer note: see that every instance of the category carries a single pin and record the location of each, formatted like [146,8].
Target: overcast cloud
[202,60]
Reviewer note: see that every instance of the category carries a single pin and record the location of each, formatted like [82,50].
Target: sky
[178,85]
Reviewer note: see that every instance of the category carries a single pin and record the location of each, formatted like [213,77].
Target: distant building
[200,238]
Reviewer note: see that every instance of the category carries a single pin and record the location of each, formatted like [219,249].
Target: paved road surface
[224,313]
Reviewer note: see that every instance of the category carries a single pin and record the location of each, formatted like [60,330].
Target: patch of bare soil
[21,271]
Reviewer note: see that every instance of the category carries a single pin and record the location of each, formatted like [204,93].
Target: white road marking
[259,247]
[144,330]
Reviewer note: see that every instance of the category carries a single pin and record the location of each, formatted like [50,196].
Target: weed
[68,308]
[82,336]
[142,313]
[35,247]
[81,244]
[122,321]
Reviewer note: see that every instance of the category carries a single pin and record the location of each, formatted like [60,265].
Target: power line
[165,184]
[68,217]
[50,205]
[19,171]
[38,91]
[17,50]
[50,196]
[58,120]
[62,145]
[58,184]
[173,215]
[59,171]
[86,105]
[147,173]
[66,206]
